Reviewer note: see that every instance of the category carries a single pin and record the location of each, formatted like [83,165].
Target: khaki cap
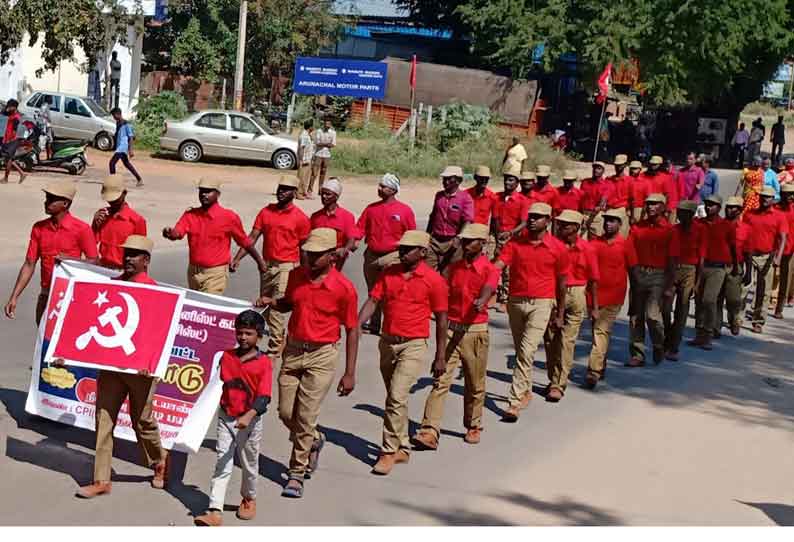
[474,231]
[687,205]
[62,189]
[569,174]
[714,198]
[112,187]
[482,171]
[600,164]
[621,159]
[139,242]
[209,184]
[512,168]
[656,198]
[787,188]
[615,213]
[543,171]
[320,240]
[540,209]
[288,180]
[415,238]
[655,159]
[768,191]
[635,164]
[570,216]
[452,171]
[734,201]
[526,175]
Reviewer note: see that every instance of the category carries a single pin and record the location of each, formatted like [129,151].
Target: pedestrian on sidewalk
[305,157]
[324,141]
[777,137]
[11,141]
[410,293]
[322,301]
[123,151]
[739,145]
[247,375]
[114,223]
[472,280]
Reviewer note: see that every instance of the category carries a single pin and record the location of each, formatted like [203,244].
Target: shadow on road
[781,514]
[365,451]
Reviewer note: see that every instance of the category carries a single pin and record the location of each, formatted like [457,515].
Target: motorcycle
[68,154]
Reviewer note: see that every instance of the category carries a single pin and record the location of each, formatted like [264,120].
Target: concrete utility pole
[238,71]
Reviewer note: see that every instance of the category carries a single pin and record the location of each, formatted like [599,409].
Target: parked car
[75,117]
[228,134]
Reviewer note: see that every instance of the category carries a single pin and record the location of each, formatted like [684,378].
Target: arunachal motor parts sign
[340,77]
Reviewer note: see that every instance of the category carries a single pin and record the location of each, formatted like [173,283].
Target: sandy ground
[706,441]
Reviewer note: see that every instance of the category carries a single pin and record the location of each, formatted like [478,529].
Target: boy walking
[247,377]
[123,151]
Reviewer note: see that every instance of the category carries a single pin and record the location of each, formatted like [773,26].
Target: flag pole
[598,130]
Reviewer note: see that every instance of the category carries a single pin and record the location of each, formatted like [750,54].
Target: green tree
[193,53]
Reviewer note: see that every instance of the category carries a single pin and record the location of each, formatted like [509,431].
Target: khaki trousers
[561,343]
[304,172]
[602,330]
[762,275]
[732,299]
[708,321]
[400,365]
[442,253]
[471,347]
[112,389]
[675,318]
[273,284]
[210,280]
[647,289]
[528,318]
[303,383]
[785,283]
[503,289]
[319,168]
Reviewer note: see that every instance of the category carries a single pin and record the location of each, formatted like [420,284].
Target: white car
[74,117]
[228,134]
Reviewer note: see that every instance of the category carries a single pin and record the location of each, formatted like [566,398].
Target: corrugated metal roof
[371,8]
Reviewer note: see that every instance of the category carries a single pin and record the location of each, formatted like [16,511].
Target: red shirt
[669,185]
[652,242]
[548,195]
[209,234]
[535,268]
[584,264]
[11,127]
[510,210]
[616,257]
[593,192]
[789,214]
[483,205]
[742,234]
[619,194]
[465,282]
[450,213]
[654,182]
[689,246]
[719,236]
[569,198]
[383,224]
[319,309]
[114,231]
[639,188]
[71,238]
[340,220]
[766,228]
[244,382]
[408,302]
[283,231]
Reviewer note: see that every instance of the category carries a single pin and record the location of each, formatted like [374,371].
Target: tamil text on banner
[340,77]
[187,396]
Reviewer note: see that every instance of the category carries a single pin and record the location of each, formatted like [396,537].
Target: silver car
[74,117]
[228,134]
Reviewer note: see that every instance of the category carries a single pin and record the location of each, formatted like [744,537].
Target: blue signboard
[340,77]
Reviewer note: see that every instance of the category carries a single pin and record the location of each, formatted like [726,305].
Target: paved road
[703,441]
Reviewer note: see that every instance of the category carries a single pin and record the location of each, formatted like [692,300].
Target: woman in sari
[751,185]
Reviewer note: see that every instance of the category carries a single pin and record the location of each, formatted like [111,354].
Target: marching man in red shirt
[472,280]
[410,293]
[247,376]
[616,259]
[786,206]
[283,227]
[652,280]
[638,191]
[582,280]
[542,191]
[114,223]
[733,294]
[768,231]
[334,216]
[59,236]
[322,301]
[619,190]
[484,201]
[539,266]
[570,196]
[595,193]
[210,230]
[509,218]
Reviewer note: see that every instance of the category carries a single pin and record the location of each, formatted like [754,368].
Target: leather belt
[715,264]
[396,339]
[305,346]
[465,328]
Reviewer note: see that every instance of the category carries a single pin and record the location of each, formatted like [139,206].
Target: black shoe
[658,356]
[314,455]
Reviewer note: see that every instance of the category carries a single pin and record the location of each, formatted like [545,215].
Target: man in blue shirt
[123,151]
[711,182]
[770,177]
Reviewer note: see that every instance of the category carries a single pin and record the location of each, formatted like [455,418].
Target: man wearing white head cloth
[333,216]
[382,224]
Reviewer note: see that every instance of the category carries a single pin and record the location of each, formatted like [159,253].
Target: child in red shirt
[247,375]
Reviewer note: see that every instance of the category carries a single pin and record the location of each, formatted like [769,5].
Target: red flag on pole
[412,76]
[604,83]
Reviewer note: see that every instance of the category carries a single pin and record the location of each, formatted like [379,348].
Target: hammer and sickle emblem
[122,335]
